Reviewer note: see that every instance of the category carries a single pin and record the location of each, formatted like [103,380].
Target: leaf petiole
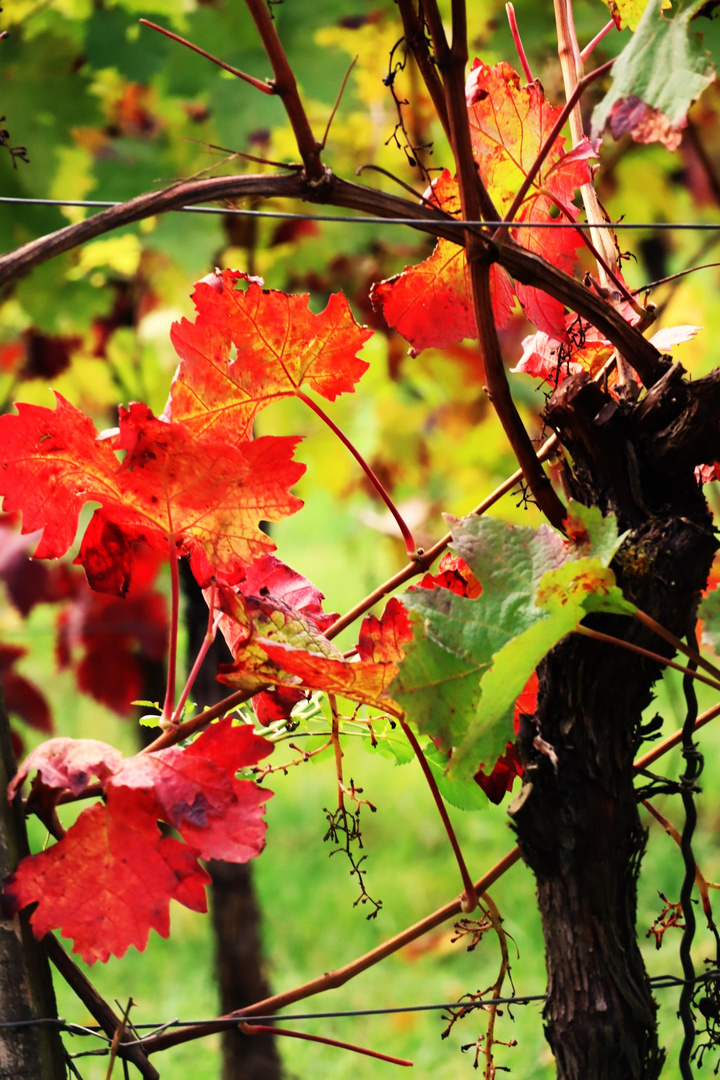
[469,898]
[166,721]
[371,475]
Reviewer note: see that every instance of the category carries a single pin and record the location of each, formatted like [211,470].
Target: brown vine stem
[333,979]
[98,1007]
[475,200]
[524,265]
[285,85]
[264,87]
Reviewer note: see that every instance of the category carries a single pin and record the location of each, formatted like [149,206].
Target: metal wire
[658,982]
[664,226]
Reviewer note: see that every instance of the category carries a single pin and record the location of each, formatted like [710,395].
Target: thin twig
[410,545]
[609,639]
[338,99]
[96,1005]
[285,85]
[264,87]
[169,703]
[266,1029]
[676,643]
[591,45]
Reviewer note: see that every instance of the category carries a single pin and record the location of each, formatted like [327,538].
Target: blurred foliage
[107,109]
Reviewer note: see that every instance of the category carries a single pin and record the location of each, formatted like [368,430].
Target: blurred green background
[107,109]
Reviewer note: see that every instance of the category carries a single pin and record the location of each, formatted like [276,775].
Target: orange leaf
[249,347]
[209,497]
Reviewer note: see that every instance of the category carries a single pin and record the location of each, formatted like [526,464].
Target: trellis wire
[657,982]
[282,215]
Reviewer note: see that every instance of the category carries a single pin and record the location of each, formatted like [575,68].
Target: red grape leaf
[195,789]
[230,746]
[29,583]
[430,304]
[248,347]
[381,640]
[526,703]
[239,834]
[67,763]
[115,636]
[120,844]
[209,496]
[110,880]
[502,776]
[454,574]
[363,681]
[509,124]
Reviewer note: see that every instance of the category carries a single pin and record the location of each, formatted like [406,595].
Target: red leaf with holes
[110,880]
[250,346]
[270,578]
[208,497]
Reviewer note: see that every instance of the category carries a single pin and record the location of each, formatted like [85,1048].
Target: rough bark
[235,910]
[26,990]
[576,816]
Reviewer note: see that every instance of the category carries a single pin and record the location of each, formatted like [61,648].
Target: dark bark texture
[576,816]
[26,990]
[235,910]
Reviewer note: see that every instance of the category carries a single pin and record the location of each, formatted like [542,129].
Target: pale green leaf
[665,66]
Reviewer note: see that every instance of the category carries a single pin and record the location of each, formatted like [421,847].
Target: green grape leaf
[469,659]
[656,78]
